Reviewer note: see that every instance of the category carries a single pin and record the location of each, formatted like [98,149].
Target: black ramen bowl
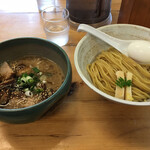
[19,47]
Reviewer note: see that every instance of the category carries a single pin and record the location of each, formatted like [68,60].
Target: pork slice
[5,71]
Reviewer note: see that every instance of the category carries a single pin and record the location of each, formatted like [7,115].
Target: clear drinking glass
[56,25]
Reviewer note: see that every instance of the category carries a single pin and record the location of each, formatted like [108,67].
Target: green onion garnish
[36,70]
[123,82]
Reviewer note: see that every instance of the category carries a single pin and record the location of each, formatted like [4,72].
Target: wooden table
[84,120]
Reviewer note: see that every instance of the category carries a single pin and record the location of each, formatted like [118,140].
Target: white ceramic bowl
[89,47]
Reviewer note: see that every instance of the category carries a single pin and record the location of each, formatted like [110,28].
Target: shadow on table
[45,133]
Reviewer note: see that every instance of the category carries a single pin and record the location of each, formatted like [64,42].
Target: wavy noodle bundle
[102,72]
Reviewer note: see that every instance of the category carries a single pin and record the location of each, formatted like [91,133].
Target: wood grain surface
[135,12]
[83,120]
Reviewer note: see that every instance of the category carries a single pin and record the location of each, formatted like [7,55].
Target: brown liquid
[52,74]
[88,11]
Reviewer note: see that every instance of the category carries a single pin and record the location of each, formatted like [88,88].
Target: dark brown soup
[28,80]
